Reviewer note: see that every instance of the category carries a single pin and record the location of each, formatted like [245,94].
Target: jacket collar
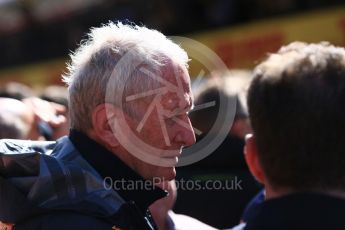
[130,185]
[299,211]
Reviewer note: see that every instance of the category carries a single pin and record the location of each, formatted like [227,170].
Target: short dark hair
[296,105]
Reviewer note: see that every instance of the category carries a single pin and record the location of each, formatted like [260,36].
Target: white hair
[95,60]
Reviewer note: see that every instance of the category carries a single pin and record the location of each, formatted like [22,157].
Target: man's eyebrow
[178,111]
[189,107]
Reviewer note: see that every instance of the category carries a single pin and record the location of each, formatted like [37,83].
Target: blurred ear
[102,120]
[252,159]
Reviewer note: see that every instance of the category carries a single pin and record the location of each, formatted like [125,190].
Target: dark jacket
[300,211]
[52,185]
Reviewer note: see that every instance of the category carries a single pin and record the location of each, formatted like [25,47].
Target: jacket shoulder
[65,220]
[13,146]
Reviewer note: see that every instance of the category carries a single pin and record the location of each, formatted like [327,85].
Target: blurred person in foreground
[96,178]
[296,150]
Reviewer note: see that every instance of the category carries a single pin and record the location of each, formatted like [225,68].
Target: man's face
[164,123]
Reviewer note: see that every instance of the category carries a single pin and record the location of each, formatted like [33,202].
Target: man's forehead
[173,91]
[177,75]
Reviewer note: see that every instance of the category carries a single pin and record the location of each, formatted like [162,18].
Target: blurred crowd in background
[41,31]
[27,114]
[34,30]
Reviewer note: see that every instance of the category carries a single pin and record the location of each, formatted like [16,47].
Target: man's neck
[272,193]
[119,151]
[127,182]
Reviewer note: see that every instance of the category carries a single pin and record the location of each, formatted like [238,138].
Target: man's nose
[186,135]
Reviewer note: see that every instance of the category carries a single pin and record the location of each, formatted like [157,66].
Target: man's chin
[167,173]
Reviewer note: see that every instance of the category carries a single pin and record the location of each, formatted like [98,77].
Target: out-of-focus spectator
[16,90]
[59,95]
[56,93]
[50,117]
[231,86]
[32,118]
[16,120]
[226,163]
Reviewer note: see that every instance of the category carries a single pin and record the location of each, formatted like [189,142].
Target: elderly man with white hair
[129,97]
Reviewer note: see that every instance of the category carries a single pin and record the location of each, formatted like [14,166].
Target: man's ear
[252,158]
[102,117]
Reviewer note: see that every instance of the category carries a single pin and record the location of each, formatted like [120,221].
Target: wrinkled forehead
[178,94]
[178,77]
[172,92]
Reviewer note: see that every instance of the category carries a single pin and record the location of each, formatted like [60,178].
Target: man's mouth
[170,161]
[171,153]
